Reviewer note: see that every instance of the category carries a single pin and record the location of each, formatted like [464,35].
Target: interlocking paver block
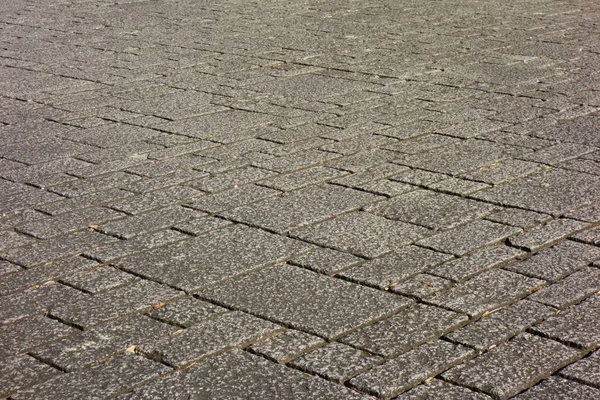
[301,207]
[337,362]
[405,330]
[487,292]
[362,234]
[558,388]
[395,267]
[558,261]
[584,370]
[511,367]
[92,310]
[23,335]
[402,373]
[186,312]
[578,325]
[305,300]
[545,235]
[431,209]
[501,325]
[326,261]
[571,289]
[20,372]
[208,338]
[205,260]
[238,374]
[440,390]
[84,349]
[287,346]
[469,237]
[114,377]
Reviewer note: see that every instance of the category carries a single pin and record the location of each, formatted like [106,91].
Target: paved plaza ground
[342,199]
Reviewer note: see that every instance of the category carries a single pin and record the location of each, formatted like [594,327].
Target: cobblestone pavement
[299,199]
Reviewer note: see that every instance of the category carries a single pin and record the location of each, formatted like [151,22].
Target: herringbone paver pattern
[299,199]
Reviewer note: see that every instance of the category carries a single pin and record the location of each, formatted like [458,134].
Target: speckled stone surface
[299,199]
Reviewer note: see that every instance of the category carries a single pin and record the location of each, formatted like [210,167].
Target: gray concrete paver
[372,193]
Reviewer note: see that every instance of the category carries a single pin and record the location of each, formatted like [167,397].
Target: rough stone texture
[114,377]
[584,370]
[287,346]
[469,237]
[402,373]
[395,267]
[487,292]
[301,207]
[205,260]
[570,290]
[440,390]
[336,362]
[242,375]
[405,330]
[577,326]
[210,337]
[362,234]
[526,359]
[305,300]
[559,388]
[160,160]
[545,235]
[558,261]
[431,209]
[501,325]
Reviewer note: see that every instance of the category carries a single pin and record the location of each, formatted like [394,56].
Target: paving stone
[206,260]
[555,387]
[419,177]
[178,177]
[361,233]
[571,289]
[430,209]
[471,265]
[421,286]
[201,226]
[459,187]
[336,362]
[22,371]
[78,220]
[9,239]
[363,161]
[99,279]
[301,207]
[504,171]
[486,292]
[81,187]
[558,153]
[36,301]
[401,373]
[589,213]
[314,303]
[152,221]
[135,245]
[501,325]
[232,198]
[545,235]
[469,237]
[461,157]
[112,135]
[526,360]
[45,273]
[303,178]
[359,143]
[584,370]
[576,326]
[186,312]
[299,133]
[287,346]
[386,187]
[554,192]
[520,218]
[156,199]
[209,338]
[101,381]
[326,261]
[578,130]
[440,390]
[231,179]
[85,349]
[558,261]
[238,374]
[395,267]
[92,310]
[405,330]
[39,330]
[17,196]
[95,199]
[384,170]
